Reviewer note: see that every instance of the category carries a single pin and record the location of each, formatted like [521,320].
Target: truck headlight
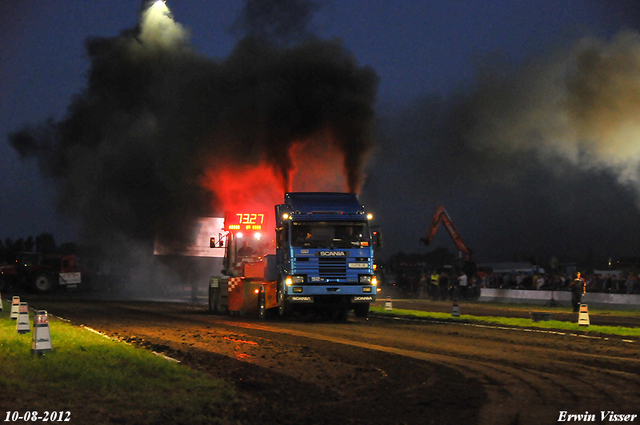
[366,279]
[290,280]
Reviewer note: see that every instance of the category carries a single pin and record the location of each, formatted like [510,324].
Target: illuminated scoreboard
[234,221]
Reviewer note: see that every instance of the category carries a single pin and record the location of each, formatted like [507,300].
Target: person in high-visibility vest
[434,285]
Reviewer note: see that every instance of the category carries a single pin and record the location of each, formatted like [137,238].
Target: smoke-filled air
[538,157]
[580,103]
[161,135]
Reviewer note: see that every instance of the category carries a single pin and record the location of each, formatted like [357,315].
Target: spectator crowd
[443,284]
[620,283]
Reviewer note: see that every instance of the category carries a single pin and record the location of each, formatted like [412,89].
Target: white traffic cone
[41,334]
[15,307]
[583,316]
[0,302]
[23,325]
[455,311]
[387,304]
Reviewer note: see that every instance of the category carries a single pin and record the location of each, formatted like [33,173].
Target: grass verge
[99,380]
[550,324]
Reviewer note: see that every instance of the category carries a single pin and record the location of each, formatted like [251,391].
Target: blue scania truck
[324,253]
[324,259]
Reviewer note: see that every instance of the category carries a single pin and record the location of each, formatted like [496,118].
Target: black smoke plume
[128,156]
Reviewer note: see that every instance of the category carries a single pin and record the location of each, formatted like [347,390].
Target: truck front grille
[333,268]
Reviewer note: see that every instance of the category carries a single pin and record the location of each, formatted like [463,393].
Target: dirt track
[484,309]
[379,371]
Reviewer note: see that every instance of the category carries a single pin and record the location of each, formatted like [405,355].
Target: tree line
[44,243]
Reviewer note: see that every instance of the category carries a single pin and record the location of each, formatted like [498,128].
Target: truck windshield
[329,235]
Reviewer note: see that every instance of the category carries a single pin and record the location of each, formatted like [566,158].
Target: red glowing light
[315,165]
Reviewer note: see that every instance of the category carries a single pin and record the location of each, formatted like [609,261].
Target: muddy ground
[379,371]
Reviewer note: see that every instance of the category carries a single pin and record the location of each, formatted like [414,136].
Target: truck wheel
[263,313]
[361,310]
[213,305]
[341,313]
[43,282]
[284,306]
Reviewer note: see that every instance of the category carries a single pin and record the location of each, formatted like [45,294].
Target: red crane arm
[441,216]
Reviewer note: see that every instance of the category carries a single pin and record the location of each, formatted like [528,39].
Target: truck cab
[324,251]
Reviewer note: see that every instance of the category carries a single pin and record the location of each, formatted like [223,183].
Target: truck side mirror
[216,244]
[377,240]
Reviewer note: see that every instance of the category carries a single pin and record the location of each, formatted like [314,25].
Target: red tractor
[40,273]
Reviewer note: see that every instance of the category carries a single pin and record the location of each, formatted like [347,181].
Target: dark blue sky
[417,48]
